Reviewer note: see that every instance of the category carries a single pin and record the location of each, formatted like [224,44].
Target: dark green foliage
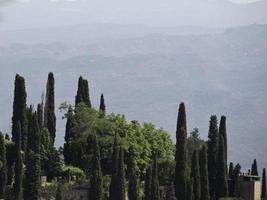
[155,195]
[120,187]
[32,177]
[231,179]
[18,178]
[102,106]
[59,194]
[40,114]
[170,193]
[133,178]
[254,168]
[68,136]
[181,165]
[148,182]
[205,194]
[212,154]
[263,186]
[181,154]
[96,180]
[83,93]
[223,132]
[10,161]
[195,176]
[231,171]
[115,161]
[237,170]
[49,109]
[19,110]
[32,173]
[189,190]
[221,178]
[3,170]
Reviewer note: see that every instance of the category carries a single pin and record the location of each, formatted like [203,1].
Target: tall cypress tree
[212,154]
[40,114]
[120,187]
[49,110]
[155,180]
[221,178]
[195,176]
[254,168]
[223,132]
[180,154]
[3,170]
[189,191]
[19,110]
[115,163]
[205,194]
[263,185]
[83,93]
[148,182]
[231,177]
[68,136]
[237,170]
[17,187]
[170,193]
[102,106]
[96,181]
[133,178]
[32,174]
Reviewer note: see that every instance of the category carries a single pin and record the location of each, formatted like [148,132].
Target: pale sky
[25,14]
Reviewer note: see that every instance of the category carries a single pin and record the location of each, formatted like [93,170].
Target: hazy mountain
[146,74]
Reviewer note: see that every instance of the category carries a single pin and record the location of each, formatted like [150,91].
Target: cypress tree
[32,174]
[195,176]
[237,170]
[155,180]
[59,195]
[96,181]
[115,163]
[189,191]
[133,179]
[263,186]
[205,194]
[83,93]
[170,193]
[212,154]
[223,132]
[180,154]
[17,188]
[3,170]
[40,114]
[68,136]
[148,182]
[221,178]
[231,177]
[254,168]
[49,110]
[19,110]
[120,187]
[102,106]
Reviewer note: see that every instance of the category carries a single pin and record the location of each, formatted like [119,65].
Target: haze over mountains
[145,74]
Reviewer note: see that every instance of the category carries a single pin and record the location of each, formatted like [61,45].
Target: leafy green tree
[181,154]
[221,178]
[102,106]
[212,154]
[195,176]
[133,178]
[17,187]
[155,195]
[49,109]
[120,188]
[83,93]
[223,132]
[254,168]
[96,181]
[148,182]
[3,170]
[263,186]
[205,194]
[19,110]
